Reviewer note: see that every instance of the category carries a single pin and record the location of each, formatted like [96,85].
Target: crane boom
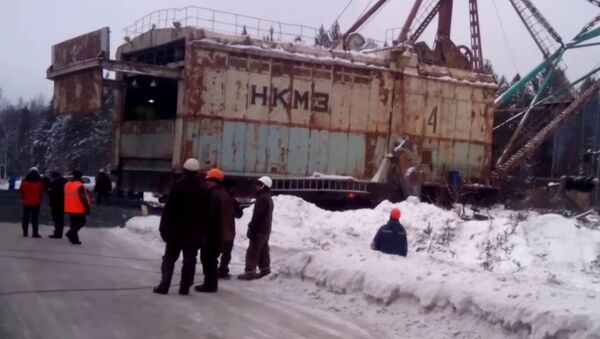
[537,138]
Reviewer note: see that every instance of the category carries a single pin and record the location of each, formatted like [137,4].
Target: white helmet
[191,164]
[34,169]
[266,181]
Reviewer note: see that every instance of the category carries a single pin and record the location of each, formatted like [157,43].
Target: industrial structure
[239,96]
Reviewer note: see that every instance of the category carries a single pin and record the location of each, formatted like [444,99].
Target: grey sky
[29,27]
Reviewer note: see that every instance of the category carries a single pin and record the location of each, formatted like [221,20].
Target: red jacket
[32,192]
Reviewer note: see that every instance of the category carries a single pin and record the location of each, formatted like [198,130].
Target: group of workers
[65,196]
[199,215]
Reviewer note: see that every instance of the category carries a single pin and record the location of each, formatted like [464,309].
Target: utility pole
[4,149]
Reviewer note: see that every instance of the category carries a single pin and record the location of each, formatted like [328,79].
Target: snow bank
[534,275]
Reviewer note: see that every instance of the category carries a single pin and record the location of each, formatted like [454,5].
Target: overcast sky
[28,28]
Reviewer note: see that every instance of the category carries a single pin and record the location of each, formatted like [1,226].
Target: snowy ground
[517,275]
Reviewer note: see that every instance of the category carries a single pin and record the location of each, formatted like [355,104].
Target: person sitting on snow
[391,237]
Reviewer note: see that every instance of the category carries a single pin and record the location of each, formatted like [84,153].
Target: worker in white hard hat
[259,231]
[186,226]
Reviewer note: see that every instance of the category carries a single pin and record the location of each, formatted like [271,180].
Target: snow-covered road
[50,289]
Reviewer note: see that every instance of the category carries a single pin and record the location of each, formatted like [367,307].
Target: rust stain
[81,48]
[79,92]
[377,99]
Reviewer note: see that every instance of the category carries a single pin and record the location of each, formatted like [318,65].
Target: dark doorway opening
[150,98]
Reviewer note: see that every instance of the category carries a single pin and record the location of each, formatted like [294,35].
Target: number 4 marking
[432,120]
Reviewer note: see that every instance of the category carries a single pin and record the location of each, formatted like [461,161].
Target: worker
[32,190]
[12,182]
[226,209]
[102,187]
[77,206]
[391,237]
[187,225]
[56,194]
[259,231]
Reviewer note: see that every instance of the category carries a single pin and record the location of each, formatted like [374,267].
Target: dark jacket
[391,239]
[103,183]
[262,216]
[187,218]
[225,209]
[56,193]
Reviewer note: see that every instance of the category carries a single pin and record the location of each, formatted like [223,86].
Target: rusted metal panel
[341,96]
[464,117]
[236,100]
[278,149]
[298,151]
[293,117]
[255,157]
[337,161]
[318,151]
[81,48]
[359,107]
[147,139]
[80,92]
[356,155]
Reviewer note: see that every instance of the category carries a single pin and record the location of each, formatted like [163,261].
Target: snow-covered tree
[322,38]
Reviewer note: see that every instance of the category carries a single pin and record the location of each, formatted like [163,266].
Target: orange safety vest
[73,204]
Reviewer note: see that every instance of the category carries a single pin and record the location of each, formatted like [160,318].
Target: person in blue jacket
[391,237]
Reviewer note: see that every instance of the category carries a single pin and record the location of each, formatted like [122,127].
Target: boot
[73,238]
[166,270]
[263,273]
[55,236]
[184,290]
[248,276]
[224,275]
[36,236]
[204,289]
[161,289]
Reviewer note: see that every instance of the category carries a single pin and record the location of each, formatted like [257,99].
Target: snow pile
[533,275]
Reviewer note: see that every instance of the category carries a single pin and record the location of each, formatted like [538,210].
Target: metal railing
[221,22]
[320,185]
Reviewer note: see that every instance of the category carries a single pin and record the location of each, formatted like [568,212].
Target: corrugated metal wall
[260,115]
[250,114]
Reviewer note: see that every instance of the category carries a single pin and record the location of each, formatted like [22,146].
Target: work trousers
[58,217]
[188,270]
[258,254]
[225,258]
[31,213]
[77,223]
[103,195]
[209,256]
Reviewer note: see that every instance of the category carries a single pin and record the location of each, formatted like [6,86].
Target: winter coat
[391,239]
[103,183]
[187,218]
[225,208]
[262,216]
[32,190]
[56,193]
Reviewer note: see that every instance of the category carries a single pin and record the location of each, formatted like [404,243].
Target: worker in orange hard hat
[225,209]
[391,237]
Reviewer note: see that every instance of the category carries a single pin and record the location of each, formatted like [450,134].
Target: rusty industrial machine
[255,97]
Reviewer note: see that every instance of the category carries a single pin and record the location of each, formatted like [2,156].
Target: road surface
[102,289]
